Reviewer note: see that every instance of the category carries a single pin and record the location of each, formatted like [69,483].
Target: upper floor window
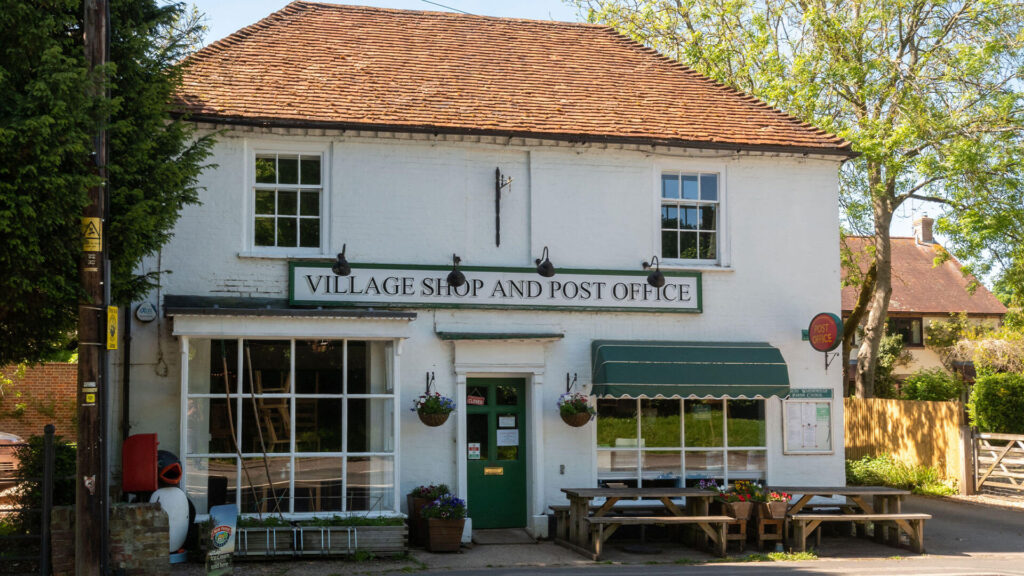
[288,194]
[908,328]
[689,216]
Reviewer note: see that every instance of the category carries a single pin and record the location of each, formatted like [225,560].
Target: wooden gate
[999,462]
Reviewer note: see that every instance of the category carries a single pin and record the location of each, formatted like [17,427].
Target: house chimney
[923,229]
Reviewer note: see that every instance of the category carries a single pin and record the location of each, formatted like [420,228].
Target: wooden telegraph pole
[91,483]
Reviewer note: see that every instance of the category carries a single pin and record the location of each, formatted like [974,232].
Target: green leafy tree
[891,354]
[47,123]
[928,91]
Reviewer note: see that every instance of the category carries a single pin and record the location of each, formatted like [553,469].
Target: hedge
[997,404]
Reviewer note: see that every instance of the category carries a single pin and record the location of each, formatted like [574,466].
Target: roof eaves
[844,151]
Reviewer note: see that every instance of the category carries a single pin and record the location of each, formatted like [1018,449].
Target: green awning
[645,369]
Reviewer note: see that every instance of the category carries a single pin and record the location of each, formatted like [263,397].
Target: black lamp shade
[456,278]
[544,267]
[656,279]
[341,266]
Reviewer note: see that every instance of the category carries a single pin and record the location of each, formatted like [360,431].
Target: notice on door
[507,422]
[473,451]
[508,437]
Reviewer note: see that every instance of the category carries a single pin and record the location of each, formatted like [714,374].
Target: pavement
[964,537]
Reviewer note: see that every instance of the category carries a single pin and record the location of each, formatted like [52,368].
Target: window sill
[682,267]
[266,255]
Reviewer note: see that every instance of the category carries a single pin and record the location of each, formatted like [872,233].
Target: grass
[884,470]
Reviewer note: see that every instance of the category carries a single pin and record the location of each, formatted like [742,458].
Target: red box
[138,463]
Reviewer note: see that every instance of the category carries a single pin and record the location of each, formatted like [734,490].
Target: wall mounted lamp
[655,278]
[456,278]
[341,266]
[544,266]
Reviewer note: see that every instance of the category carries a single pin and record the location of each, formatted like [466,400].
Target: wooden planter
[346,540]
[576,420]
[417,525]
[773,510]
[257,541]
[432,419]
[444,535]
[739,510]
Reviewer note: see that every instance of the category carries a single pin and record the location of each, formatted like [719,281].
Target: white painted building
[329,365]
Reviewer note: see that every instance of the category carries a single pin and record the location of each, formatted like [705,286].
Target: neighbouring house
[316,292]
[35,395]
[928,285]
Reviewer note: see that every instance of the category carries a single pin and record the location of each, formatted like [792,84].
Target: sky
[226,16]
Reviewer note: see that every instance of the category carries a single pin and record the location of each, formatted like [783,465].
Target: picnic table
[580,519]
[878,504]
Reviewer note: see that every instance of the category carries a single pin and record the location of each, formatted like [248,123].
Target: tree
[928,91]
[46,125]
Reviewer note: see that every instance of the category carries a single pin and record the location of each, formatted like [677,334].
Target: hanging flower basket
[576,420]
[575,409]
[435,419]
[433,408]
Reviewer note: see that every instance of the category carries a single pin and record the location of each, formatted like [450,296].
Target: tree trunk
[874,330]
[852,321]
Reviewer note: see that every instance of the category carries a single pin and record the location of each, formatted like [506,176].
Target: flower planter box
[739,510]
[773,510]
[260,541]
[444,535]
[417,525]
[346,540]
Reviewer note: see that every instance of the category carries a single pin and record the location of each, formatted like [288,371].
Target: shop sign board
[221,545]
[809,393]
[413,286]
[825,332]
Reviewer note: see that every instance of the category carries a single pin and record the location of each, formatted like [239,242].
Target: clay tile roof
[354,67]
[920,287]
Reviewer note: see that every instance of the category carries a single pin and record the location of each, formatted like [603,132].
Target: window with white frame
[675,443]
[287,200]
[690,216]
[300,426]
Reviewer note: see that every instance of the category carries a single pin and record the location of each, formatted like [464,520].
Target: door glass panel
[507,395]
[476,432]
[508,453]
[476,396]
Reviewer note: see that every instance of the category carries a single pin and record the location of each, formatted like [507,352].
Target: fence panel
[914,432]
[1000,462]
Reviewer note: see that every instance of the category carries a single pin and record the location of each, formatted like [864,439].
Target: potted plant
[575,409]
[775,505]
[445,518]
[416,500]
[433,409]
[737,501]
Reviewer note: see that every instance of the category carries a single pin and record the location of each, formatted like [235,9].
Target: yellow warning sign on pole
[92,235]
[111,327]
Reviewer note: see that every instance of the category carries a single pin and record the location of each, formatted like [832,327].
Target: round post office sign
[825,332]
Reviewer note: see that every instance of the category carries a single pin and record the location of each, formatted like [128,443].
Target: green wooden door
[496,452]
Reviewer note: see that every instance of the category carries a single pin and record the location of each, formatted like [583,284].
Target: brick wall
[44,394]
[138,540]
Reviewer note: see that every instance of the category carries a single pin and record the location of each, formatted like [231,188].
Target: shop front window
[312,430]
[671,443]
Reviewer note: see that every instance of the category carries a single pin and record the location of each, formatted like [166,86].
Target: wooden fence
[1000,461]
[920,433]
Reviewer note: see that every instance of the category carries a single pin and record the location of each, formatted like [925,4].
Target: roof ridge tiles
[409,11]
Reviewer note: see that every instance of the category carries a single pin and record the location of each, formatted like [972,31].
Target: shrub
[885,471]
[997,403]
[935,384]
[890,355]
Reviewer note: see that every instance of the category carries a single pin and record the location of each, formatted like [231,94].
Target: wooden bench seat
[561,514]
[713,526]
[912,524]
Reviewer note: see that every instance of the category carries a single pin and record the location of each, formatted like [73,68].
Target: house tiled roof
[920,287]
[354,67]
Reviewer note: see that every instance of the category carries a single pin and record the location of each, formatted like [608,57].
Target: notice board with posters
[807,421]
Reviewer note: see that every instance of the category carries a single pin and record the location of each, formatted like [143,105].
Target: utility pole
[91,491]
